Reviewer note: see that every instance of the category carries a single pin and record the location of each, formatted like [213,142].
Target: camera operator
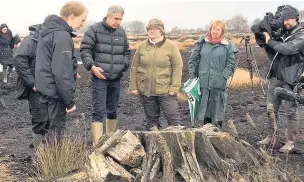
[285,73]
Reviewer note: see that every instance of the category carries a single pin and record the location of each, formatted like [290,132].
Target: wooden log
[124,147]
[108,141]
[105,169]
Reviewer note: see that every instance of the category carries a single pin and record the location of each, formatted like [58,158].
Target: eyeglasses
[153,29]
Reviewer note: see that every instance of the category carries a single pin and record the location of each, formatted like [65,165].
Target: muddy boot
[97,131]
[152,127]
[219,124]
[207,120]
[289,145]
[111,126]
[38,139]
[272,113]
[292,131]
[5,75]
[268,140]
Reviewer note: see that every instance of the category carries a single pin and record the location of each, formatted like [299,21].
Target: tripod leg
[256,69]
[249,63]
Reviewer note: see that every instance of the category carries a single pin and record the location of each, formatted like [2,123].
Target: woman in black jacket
[7,43]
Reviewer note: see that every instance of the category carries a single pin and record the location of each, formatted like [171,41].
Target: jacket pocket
[218,81]
[203,78]
[141,83]
[292,73]
[162,85]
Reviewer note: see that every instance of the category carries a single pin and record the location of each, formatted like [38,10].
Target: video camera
[273,24]
[276,21]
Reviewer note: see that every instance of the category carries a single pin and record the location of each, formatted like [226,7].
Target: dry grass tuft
[55,159]
[241,79]
[4,171]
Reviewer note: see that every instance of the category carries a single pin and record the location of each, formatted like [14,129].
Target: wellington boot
[111,126]
[97,131]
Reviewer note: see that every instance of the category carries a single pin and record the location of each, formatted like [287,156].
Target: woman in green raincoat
[213,60]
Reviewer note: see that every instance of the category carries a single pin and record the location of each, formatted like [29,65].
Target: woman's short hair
[156,23]
[218,23]
[72,8]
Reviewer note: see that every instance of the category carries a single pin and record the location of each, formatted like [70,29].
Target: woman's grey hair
[116,9]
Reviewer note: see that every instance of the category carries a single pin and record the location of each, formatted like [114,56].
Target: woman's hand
[134,92]
[171,93]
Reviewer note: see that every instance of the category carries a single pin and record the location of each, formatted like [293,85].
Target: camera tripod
[251,60]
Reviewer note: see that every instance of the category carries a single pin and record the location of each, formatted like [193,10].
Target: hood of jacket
[55,23]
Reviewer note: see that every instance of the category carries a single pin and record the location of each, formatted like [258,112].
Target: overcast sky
[19,14]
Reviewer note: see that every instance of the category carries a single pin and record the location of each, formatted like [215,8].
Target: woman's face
[216,32]
[154,33]
[4,30]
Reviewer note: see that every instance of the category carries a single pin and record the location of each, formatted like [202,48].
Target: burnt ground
[15,131]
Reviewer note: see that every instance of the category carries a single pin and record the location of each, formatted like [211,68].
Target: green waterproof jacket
[213,64]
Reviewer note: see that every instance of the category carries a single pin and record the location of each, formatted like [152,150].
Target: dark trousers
[38,112]
[54,116]
[292,112]
[105,98]
[153,105]
[9,66]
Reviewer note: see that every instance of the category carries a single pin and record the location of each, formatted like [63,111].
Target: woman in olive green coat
[213,61]
[156,75]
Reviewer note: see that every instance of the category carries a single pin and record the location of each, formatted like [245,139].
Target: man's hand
[267,37]
[34,88]
[71,110]
[134,92]
[98,72]
[171,93]
[78,76]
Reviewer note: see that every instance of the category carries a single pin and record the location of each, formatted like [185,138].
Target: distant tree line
[237,23]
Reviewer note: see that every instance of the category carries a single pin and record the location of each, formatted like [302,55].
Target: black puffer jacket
[24,61]
[56,66]
[106,48]
[6,51]
[289,63]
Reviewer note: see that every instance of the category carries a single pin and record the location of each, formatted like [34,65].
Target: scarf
[213,40]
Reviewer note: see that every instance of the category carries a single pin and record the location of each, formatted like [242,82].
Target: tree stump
[177,154]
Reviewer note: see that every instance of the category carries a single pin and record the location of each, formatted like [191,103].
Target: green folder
[192,89]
